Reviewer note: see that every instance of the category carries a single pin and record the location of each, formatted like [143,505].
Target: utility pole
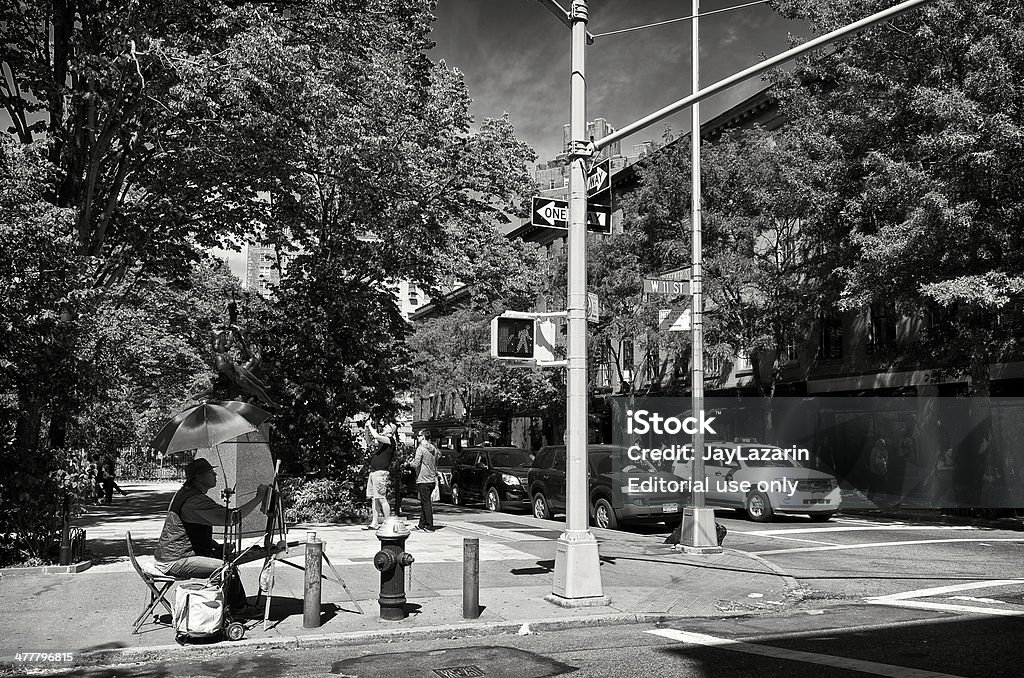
[698,532]
[577,580]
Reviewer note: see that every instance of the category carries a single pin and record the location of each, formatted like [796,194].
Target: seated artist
[186,548]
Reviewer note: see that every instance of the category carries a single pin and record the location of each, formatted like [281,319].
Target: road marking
[906,598]
[796,655]
[805,541]
[854,528]
[952,588]
[879,544]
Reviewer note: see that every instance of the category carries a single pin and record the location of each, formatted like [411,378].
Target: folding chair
[159,585]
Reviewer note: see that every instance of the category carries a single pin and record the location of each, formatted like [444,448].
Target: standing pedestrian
[383,444]
[94,473]
[425,465]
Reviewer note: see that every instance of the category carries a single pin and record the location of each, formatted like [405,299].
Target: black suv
[611,503]
[493,475]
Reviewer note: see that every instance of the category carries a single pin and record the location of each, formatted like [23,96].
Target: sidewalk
[90,613]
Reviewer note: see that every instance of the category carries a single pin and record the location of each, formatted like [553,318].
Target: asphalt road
[853,641]
[871,597]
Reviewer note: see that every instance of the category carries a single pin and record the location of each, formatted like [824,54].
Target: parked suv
[493,475]
[608,471]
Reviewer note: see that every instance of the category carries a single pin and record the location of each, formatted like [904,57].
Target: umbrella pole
[226,495]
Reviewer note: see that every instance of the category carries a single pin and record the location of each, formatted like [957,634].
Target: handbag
[435,495]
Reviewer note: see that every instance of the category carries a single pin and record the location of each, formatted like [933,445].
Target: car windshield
[752,454]
[512,459]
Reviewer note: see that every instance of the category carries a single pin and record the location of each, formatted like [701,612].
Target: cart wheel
[234,631]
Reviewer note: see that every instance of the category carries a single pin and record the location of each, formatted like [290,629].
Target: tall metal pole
[698,522]
[577,564]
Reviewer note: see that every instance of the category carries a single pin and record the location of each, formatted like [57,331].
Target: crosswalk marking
[796,655]
[855,528]
[909,599]
[880,544]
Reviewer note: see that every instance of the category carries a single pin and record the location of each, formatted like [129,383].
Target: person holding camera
[382,444]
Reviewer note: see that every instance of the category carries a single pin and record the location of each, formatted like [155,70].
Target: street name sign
[599,177]
[674,320]
[664,286]
[554,213]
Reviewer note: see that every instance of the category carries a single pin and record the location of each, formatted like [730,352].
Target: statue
[235,359]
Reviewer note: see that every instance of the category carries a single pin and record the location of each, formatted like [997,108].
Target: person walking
[109,479]
[425,465]
[380,471]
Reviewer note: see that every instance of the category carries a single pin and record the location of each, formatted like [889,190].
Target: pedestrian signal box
[513,338]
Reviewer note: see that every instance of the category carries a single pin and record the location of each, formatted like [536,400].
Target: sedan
[764,480]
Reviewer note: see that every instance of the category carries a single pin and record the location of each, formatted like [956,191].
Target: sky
[514,55]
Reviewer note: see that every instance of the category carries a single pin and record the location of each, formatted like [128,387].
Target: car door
[557,479]
[481,469]
[540,474]
[462,473]
[719,473]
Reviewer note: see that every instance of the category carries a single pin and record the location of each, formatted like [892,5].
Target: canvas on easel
[278,550]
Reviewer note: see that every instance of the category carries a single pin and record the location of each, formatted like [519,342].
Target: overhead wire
[685,18]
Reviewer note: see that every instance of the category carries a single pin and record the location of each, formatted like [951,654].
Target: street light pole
[577,563]
[698,531]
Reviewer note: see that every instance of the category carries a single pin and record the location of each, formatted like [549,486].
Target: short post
[470,578]
[311,590]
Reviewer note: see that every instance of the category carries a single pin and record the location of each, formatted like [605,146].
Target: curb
[791,582]
[355,638]
[45,569]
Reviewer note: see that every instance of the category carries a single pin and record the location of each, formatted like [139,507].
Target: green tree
[764,279]
[919,123]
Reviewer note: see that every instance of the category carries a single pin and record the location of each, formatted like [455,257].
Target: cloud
[515,57]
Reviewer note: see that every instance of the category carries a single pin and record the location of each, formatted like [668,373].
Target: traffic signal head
[513,338]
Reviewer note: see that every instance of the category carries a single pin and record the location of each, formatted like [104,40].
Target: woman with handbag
[425,465]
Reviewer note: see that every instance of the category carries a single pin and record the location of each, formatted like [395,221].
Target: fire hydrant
[392,560]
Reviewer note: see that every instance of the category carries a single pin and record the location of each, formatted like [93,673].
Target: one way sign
[599,177]
[555,214]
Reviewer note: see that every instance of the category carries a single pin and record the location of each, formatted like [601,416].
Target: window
[881,326]
[559,463]
[627,353]
[830,336]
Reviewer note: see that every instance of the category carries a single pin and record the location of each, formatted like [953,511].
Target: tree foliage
[144,134]
[919,120]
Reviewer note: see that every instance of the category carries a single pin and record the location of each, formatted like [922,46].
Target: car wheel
[456,497]
[759,508]
[821,517]
[492,499]
[604,515]
[541,509]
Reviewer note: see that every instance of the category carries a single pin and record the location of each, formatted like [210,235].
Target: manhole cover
[462,662]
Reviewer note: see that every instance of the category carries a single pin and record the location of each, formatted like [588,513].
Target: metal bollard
[311,589]
[470,578]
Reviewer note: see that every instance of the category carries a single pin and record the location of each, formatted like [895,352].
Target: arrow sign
[599,177]
[674,320]
[554,213]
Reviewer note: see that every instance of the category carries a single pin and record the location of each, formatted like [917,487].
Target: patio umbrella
[207,424]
